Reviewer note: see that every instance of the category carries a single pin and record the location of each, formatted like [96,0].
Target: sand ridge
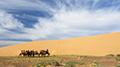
[98,45]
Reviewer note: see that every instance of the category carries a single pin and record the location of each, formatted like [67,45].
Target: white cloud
[66,24]
[10,42]
[79,23]
[11,5]
[8,21]
[95,2]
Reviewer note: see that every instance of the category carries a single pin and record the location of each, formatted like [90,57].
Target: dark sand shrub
[110,55]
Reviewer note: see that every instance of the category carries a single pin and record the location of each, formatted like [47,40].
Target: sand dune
[98,45]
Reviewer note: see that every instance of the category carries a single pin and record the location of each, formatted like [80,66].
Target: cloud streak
[13,5]
[8,21]
[8,43]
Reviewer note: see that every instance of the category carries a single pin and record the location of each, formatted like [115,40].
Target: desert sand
[99,45]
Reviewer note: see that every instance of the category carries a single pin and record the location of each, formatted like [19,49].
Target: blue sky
[30,20]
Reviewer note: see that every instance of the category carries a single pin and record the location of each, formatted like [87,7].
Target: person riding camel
[47,51]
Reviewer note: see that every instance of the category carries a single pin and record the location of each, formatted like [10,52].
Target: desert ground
[84,61]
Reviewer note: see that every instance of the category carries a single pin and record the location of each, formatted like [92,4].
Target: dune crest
[98,45]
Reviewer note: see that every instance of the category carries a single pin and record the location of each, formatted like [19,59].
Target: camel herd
[32,53]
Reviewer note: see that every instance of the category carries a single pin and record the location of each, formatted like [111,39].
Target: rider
[47,50]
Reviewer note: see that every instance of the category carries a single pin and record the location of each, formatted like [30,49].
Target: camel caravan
[32,53]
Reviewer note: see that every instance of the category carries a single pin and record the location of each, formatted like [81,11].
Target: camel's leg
[38,55]
[44,55]
[33,55]
[28,54]
[48,54]
[23,55]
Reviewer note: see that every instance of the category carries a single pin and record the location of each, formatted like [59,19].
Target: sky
[32,20]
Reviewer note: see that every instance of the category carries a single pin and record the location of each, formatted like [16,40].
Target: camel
[34,53]
[43,53]
[23,52]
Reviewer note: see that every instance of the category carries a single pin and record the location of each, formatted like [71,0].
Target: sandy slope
[98,45]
